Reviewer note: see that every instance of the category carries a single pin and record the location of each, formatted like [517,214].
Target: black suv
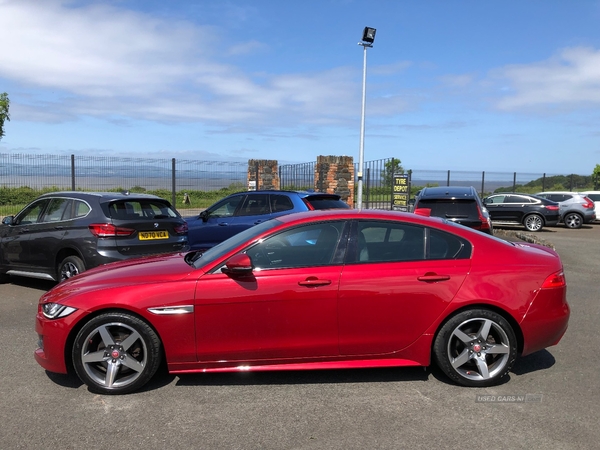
[460,204]
[61,234]
[522,209]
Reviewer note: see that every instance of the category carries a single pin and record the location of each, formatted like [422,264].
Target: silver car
[575,208]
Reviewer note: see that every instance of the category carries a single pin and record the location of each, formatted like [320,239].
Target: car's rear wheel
[476,348]
[573,220]
[116,353]
[69,267]
[533,222]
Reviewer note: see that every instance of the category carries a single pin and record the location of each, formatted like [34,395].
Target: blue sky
[451,85]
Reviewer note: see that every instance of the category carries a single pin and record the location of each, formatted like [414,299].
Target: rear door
[401,279]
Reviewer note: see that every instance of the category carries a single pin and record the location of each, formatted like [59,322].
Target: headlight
[56,310]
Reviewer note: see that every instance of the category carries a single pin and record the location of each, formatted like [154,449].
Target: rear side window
[57,210]
[322,202]
[395,242]
[450,208]
[281,203]
[141,209]
[255,205]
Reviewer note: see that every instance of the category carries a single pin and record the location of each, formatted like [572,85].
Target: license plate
[152,235]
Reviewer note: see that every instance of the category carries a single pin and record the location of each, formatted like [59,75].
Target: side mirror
[238,265]
[204,216]
[8,220]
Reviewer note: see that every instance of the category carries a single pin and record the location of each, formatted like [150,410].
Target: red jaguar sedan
[320,290]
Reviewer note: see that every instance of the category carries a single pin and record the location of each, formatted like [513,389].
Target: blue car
[243,210]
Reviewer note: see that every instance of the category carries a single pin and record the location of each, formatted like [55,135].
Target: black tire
[533,222]
[69,267]
[116,353]
[573,220]
[476,348]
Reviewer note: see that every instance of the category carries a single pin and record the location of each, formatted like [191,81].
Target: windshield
[214,253]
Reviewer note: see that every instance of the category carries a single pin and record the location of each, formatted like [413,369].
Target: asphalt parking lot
[552,400]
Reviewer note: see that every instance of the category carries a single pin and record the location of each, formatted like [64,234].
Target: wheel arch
[68,353]
[65,252]
[507,316]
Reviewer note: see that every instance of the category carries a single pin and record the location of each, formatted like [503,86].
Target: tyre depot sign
[400,192]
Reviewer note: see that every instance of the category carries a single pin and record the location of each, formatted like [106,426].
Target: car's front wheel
[116,353]
[69,267]
[476,348]
[573,220]
[533,222]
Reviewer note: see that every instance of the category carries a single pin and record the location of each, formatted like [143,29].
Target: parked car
[61,234]
[533,212]
[243,210]
[315,290]
[460,204]
[595,197]
[575,208]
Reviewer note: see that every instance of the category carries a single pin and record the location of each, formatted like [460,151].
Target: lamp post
[368,38]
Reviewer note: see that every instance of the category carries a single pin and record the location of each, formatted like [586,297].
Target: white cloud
[103,61]
[569,80]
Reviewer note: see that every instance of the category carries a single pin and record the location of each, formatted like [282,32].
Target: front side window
[496,199]
[225,208]
[31,213]
[303,246]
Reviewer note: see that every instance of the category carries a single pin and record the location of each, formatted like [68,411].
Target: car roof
[559,192]
[300,193]
[100,195]
[448,192]
[358,214]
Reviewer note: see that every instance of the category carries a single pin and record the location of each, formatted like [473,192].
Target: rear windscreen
[141,209]
[450,208]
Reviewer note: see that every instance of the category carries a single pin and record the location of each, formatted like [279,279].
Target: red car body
[346,313]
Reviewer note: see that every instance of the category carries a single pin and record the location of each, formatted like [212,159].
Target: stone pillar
[264,173]
[335,175]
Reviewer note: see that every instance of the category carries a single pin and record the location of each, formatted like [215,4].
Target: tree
[391,168]
[4,104]
[596,176]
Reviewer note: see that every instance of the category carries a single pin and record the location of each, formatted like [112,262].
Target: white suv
[593,196]
[575,208]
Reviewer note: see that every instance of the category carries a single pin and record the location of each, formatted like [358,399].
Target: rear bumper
[546,320]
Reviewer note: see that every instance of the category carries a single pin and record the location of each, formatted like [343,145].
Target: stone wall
[335,175]
[268,174]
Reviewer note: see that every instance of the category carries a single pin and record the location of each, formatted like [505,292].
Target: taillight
[555,280]
[589,204]
[485,223]
[181,229]
[552,207]
[109,230]
[308,205]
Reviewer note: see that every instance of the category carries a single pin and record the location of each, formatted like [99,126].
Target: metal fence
[96,173]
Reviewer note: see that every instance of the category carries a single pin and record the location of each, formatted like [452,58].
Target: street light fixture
[368,38]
